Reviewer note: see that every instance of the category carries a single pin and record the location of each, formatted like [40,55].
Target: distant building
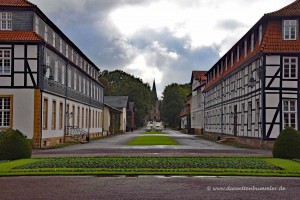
[252,92]
[48,86]
[121,103]
[198,81]
[154,113]
[111,120]
[185,116]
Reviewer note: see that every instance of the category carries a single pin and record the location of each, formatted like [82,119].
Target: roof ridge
[287,10]
[18,3]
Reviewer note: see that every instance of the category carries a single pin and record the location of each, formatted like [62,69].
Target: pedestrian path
[117,145]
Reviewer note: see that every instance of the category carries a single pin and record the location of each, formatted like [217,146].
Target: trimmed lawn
[231,166]
[154,132]
[153,140]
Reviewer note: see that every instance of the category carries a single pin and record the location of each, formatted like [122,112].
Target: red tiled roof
[289,10]
[234,66]
[273,41]
[19,3]
[19,36]
[199,75]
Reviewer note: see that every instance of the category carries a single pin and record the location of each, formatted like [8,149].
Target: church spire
[154,94]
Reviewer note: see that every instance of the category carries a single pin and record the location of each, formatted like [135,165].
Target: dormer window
[245,48]
[252,42]
[290,28]
[260,34]
[6,21]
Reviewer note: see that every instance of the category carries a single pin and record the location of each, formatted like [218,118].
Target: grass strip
[153,140]
[225,166]
[154,132]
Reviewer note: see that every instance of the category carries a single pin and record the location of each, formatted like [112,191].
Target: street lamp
[51,77]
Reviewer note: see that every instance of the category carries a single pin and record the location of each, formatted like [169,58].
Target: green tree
[174,98]
[123,84]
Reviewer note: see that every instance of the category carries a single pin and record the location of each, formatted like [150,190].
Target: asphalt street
[148,187]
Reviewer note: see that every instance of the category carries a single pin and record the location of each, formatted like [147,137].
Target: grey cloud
[229,24]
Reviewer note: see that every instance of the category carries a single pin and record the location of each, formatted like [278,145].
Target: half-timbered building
[198,81]
[252,92]
[48,86]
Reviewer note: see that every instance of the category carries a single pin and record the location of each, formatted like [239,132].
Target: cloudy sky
[161,39]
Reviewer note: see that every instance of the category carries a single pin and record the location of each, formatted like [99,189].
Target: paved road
[148,187]
[189,145]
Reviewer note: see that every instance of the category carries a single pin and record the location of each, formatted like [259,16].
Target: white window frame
[5,21]
[291,67]
[5,112]
[290,29]
[289,111]
[5,61]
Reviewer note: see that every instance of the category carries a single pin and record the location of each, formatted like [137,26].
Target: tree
[174,98]
[123,84]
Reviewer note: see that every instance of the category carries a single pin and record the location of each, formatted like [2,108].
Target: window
[63,75]
[60,116]
[67,51]
[245,48]
[78,117]
[249,124]
[56,71]
[53,121]
[5,112]
[54,39]
[260,34]
[46,33]
[37,24]
[82,119]
[243,117]
[73,118]
[257,114]
[5,61]
[290,29]
[289,113]
[75,80]
[238,54]
[86,118]
[252,42]
[45,114]
[290,67]
[60,45]
[6,21]
[69,78]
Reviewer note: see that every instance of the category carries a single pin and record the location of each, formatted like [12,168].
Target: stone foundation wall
[254,142]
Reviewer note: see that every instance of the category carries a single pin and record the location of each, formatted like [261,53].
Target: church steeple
[154,94]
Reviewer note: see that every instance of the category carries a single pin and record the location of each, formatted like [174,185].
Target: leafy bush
[14,145]
[287,145]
